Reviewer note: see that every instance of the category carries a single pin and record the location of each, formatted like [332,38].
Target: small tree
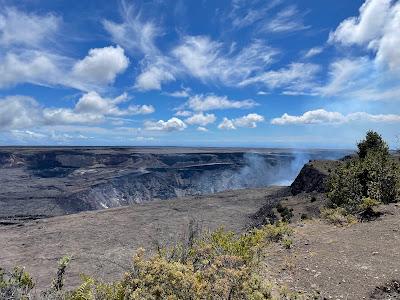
[373,175]
[372,142]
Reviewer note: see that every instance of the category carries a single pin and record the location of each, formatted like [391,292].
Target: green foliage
[285,212]
[218,265]
[374,174]
[15,285]
[373,142]
[338,216]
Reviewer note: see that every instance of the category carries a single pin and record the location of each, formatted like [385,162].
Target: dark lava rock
[312,176]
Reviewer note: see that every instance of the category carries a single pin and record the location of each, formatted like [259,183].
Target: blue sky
[276,73]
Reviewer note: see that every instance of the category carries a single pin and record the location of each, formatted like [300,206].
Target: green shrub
[218,265]
[285,212]
[373,174]
[373,142]
[338,216]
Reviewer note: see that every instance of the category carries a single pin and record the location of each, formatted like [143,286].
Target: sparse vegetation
[285,212]
[216,265]
[362,182]
[338,216]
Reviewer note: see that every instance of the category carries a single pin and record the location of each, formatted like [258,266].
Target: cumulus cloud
[153,77]
[21,29]
[92,108]
[173,124]
[101,65]
[30,66]
[19,112]
[226,124]
[201,119]
[321,116]
[214,102]
[96,70]
[249,121]
[376,27]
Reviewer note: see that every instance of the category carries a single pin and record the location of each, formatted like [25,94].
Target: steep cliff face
[43,181]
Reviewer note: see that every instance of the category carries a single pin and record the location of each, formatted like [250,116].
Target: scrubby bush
[15,285]
[338,216]
[285,212]
[374,174]
[216,265]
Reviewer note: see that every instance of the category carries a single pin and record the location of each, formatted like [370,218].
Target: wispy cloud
[288,19]
[296,78]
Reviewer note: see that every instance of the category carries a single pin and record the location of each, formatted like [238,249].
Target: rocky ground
[342,262]
[102,242]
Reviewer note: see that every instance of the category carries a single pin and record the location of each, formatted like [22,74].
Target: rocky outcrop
[312,177]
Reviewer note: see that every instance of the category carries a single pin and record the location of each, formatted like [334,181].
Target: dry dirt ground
[100,242]
[342,262]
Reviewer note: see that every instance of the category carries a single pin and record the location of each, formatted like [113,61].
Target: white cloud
[377,28]
[297,77]
[364,28]
[201,119]
[133,33]
[30,66]
[19,112]
[153,77]
[183,113]
[92,102]
[345,74]
[173,124]
[249,121]
[101,65]
[92,108]
[321,116]
[226,124]
[183,93]
[313,52]
[288,19]
[95,71]
[55,116]
[213,102]
[138,36]
[27,134]
[207,60]
[202,129]
[21,29]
